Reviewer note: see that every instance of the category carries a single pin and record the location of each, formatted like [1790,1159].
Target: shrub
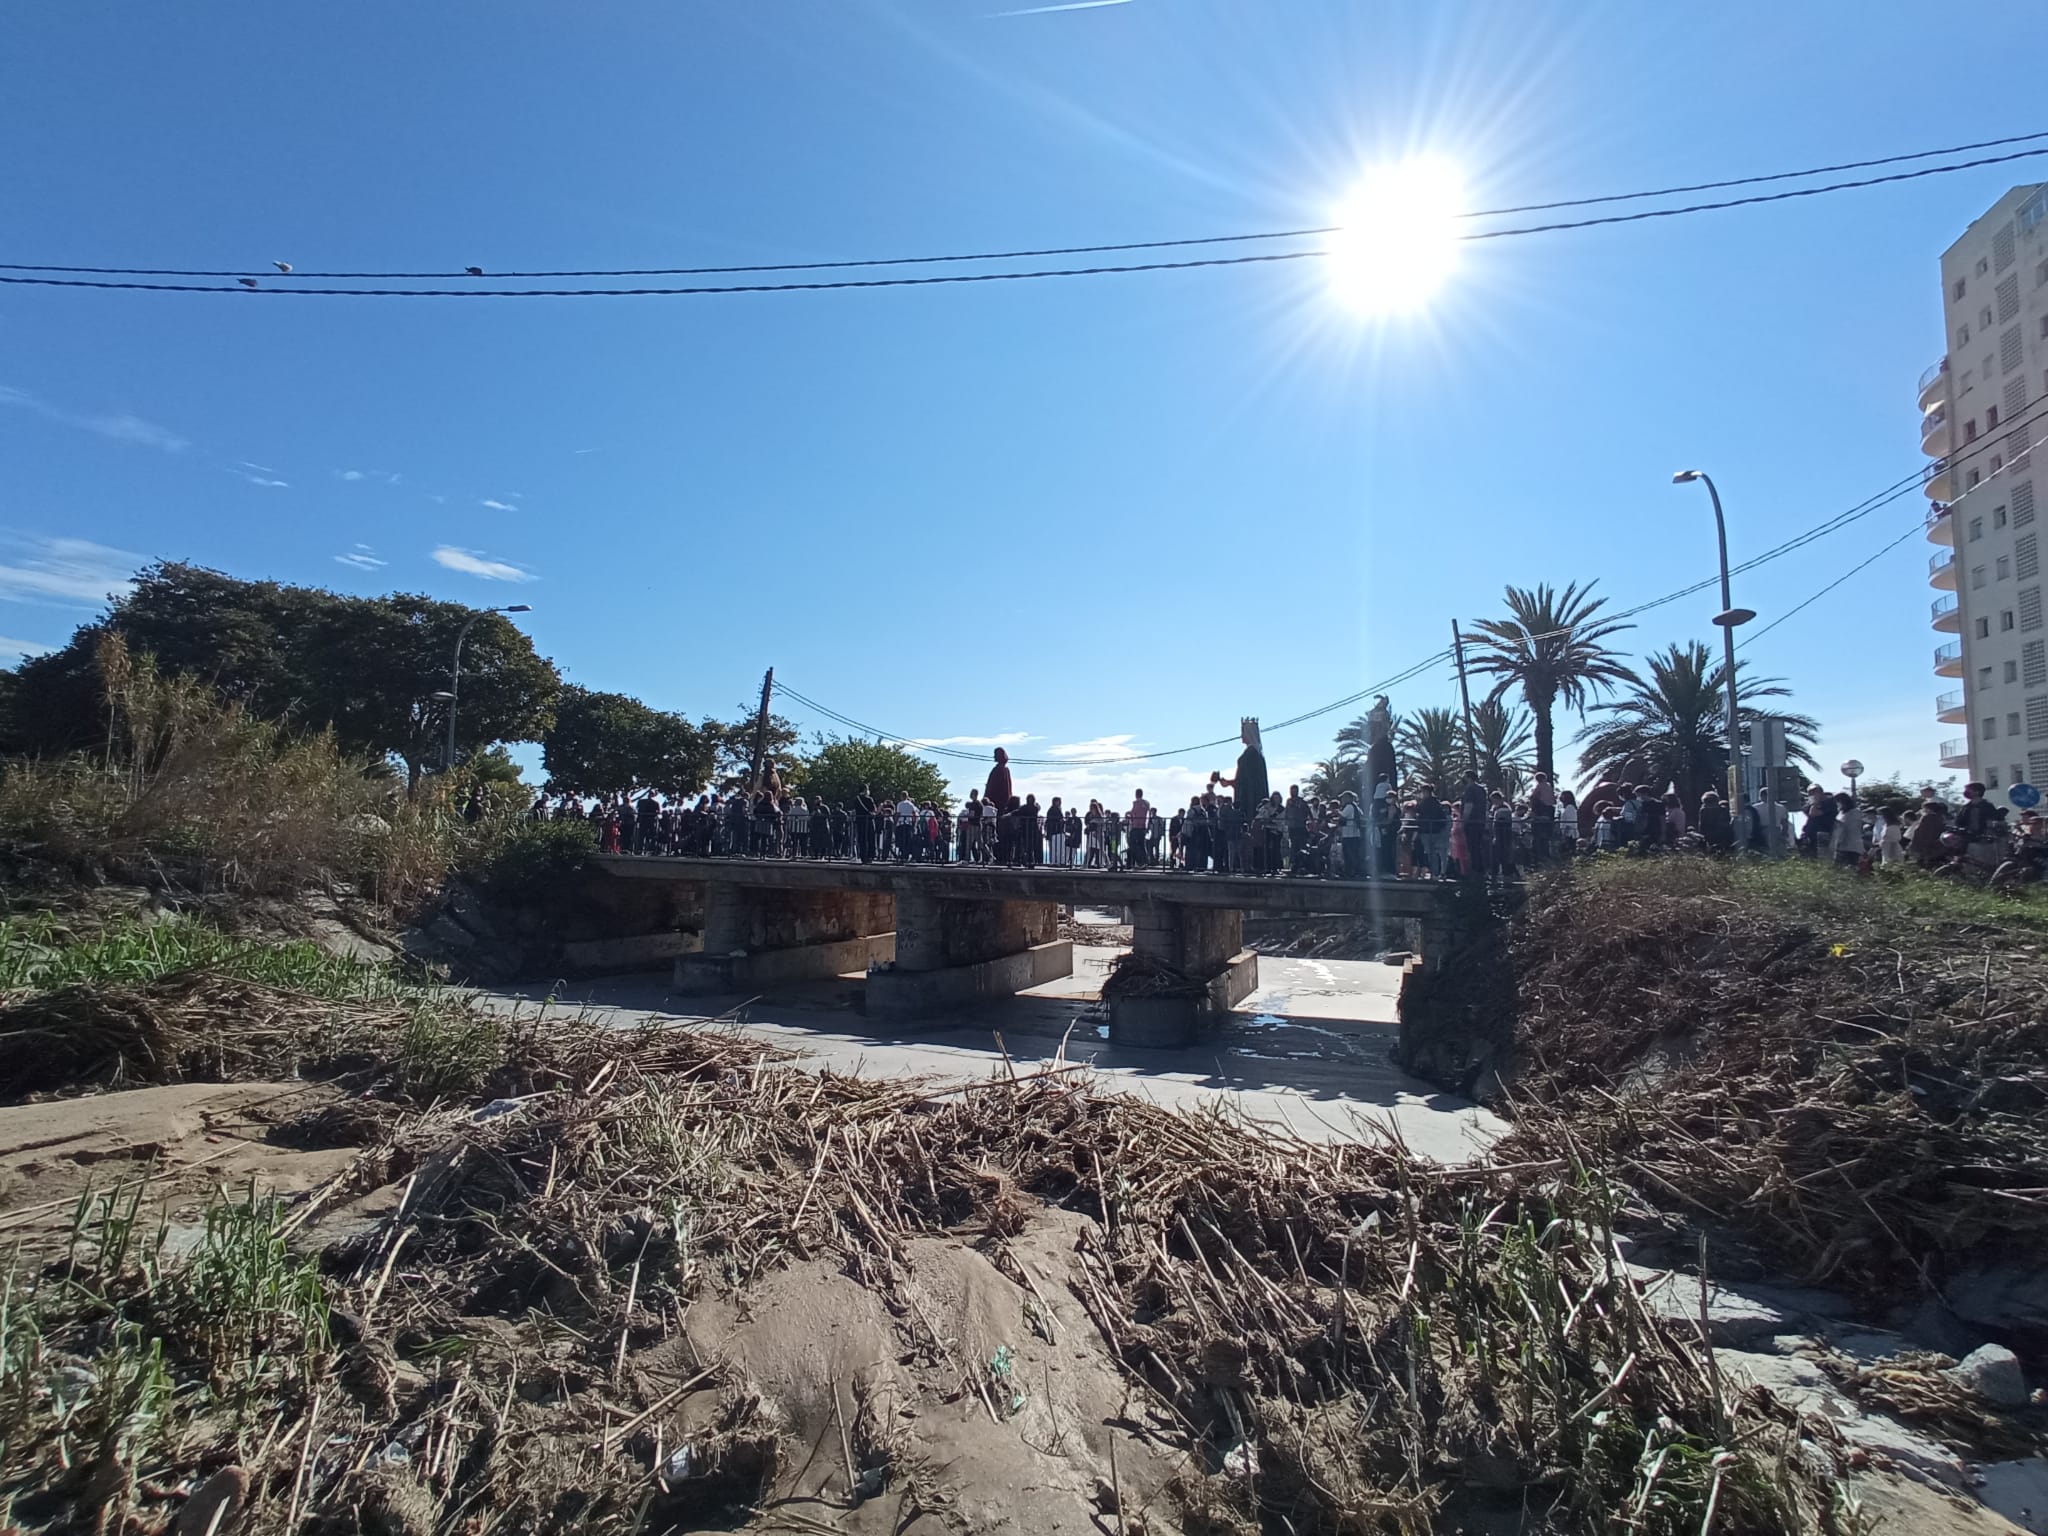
[535,856]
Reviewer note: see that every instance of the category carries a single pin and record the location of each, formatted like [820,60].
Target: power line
[2036,410]
[246,284]
[1042,252]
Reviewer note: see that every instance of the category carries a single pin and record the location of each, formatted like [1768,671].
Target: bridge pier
[953,950]
[756,936]
[1206,943]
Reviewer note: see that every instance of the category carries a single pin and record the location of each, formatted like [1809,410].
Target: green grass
[39,953]
[1815,891]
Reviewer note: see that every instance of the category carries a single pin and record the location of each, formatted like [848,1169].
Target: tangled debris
[1793,1057]
[1307,1338]
[1139,975]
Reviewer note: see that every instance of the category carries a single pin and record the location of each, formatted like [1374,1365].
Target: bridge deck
[1078,887]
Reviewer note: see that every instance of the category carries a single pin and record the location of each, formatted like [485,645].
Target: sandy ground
[1305,1054]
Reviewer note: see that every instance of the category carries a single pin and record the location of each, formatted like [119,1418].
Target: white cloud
[431,496]
[21,650]
[1004,739]
[475,563]
[1101,746]
[119,425]
[261,469]
[255,479]
[350,474]
[362,557]
[497,506]
[72,571]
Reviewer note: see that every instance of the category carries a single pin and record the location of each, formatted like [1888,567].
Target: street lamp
[1727,618]
[455,672]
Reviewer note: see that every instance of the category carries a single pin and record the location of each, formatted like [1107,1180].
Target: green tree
[733,742]
[1336,777]
[1431,749]
[601,743]
[838,766]
[377,663]
[1552,646]
[1502,732]
[1670,728]
[304,656]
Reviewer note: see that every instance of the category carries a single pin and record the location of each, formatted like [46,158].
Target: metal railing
[1943,607]
[1940,561]
[1934,371]
[1956,747]
[1944,654]
[1933,421]
[1944,702]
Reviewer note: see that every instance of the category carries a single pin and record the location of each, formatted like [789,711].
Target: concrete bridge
[937,935]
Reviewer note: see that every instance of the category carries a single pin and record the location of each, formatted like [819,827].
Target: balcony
[1948,659]
[1934,385]
[1941,570]
[1946,618]
[1955,753]
[1938,524]
[1948,707]
[1934,432]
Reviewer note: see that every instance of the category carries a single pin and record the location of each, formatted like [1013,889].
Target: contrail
[1071,5]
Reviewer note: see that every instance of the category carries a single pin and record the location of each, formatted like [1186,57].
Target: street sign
[1852,769]
[2025,796]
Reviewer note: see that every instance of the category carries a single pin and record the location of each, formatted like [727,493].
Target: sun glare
[1398,237]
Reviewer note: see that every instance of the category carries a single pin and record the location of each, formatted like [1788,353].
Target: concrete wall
[897,992]
[934,934]
[1198,940]
[759,919]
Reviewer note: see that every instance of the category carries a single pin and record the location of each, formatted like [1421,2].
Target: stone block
[1993,1373]
[897,992]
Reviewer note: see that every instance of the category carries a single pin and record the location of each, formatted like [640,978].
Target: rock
[1867,1346]
[1878,1436]
[214,1504]
[1798,1383]
[1993,1373]
[1733,1320]
[449,934]
[1933,1326]
[464,905]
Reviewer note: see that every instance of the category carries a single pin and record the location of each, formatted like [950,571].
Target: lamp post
[455,672]
[1727,618]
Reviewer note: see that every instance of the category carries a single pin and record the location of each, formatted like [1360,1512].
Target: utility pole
[1465,693]
[761,732]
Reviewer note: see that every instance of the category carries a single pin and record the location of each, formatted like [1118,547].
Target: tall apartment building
[1984,409]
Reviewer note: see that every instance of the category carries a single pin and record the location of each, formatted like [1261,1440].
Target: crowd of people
[1239,825]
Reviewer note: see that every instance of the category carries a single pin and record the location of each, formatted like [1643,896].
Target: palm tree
[1502,733]
[1670,728]
[1431,747]
[1333,779]
[1355,740]
[1552,645]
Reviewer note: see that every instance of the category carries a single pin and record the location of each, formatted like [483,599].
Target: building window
[1997,462]
[2012,671]
[2004,567]
[1983,673]
[2008,297]
[1992,773]
[2019,774]
[2004,620]
[1957,292]
[1976,529]
[2044,325]
[1983,629]
[1998,517]
[2012,723]
[1984,319]
[1963,336]
[1988,730]
[1976,577]
[1990,417]
[1971,483]
[2030,608]
[2009,344]
[2023,504]
[2037,721]
[2040,277]
[2037,766]
[1983,266]
[2026,556]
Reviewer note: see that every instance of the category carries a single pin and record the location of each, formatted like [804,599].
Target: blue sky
[1107,509]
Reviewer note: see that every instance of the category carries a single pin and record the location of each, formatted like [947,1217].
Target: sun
[1398,237]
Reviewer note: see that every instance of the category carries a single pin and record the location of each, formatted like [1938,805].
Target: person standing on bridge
[998,791]
[864,824]
[1249,782]
[1139,825]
